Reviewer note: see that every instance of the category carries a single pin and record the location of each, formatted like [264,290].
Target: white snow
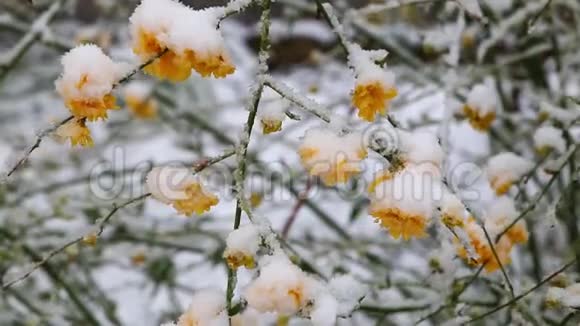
[246,239]
[420,147]
[549,137]
[482,99]
[88,66]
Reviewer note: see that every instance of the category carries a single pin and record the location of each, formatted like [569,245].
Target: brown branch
[299,203]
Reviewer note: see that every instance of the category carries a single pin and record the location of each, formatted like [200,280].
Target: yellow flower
[236,259]
[483,250]
[87,81]
[270,126]
[138,258]
[198,200]
[92,109]
[371,98]
[170,65]
[77,132]
[399,223]
[90,239]
[518,233]
[256,199]
[478,120]
[380,178]
[138,97]
[506,168]
[452,211]
[179,188]
[333,158]
[187,38]
[396,206]
[217,64]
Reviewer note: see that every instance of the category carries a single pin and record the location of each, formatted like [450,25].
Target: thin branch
[52,253]
[496,256]
[9,60]
[294,213]
[542,192]
[524,294]
[100,227]
[242,148]
[304,102]
[36,144]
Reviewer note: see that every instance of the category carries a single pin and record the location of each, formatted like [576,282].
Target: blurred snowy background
[148,262]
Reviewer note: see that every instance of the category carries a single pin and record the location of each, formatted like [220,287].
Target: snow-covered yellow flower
[499,216]
[76,132]
[272,111]
[452,211]
[281,288]
[207,307]
[480,108]
[374,85]
[403,202]
[241,247]
[372,98]
[482,249]
[138,96]
[547,139]
[187,39]
[504,169]
[87,81]
[331,157]
[179,188]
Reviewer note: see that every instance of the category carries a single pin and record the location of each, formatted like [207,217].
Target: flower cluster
[181,189]
[402,198]
[170,39]
[501,215]
[185,39]
[284,289]
[334,158]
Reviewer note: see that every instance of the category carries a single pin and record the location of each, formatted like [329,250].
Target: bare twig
[522,295]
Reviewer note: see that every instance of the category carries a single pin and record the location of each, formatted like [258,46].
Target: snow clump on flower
[86,82]
[333,158]
[420,147]
[500,215]
[180,188]
[139,99]
[403,202]
[506,168]
[567,297]
[564,116]
[547,138]
[374,85]
[273,111]
[281,287]
[207,308]
[480,108]
[179,39]
[242,246]
[453,213]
